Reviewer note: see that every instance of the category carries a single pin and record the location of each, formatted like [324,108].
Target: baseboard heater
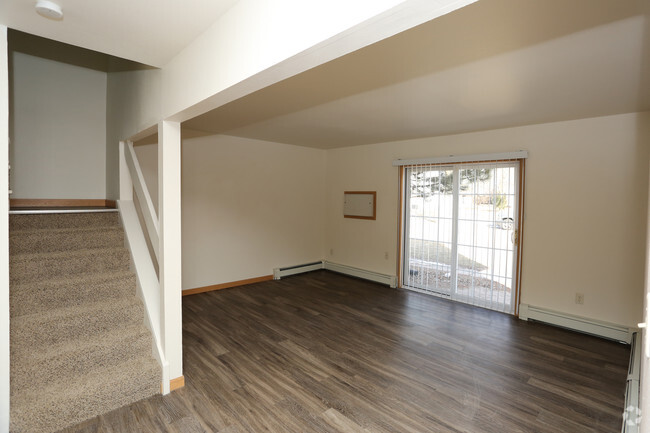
[389,280]
[298,269]
[576,323]
[632,414]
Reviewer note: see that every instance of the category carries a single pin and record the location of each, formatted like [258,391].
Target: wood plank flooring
[322,352]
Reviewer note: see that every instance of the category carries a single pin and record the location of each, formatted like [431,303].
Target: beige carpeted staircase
[79,346]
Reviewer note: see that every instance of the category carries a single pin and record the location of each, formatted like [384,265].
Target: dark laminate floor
[322,352]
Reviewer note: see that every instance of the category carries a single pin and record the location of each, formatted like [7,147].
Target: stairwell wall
[132,104]
[58,145]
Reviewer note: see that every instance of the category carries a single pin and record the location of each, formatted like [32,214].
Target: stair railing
[132,180]
[144,198]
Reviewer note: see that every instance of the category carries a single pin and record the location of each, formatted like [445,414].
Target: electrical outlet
[331,251]
[386,255]
[580,298]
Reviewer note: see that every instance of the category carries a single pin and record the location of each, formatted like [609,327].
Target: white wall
[58,147]
[255,35]
[248,206]
[586,203]
[4,236]
[132,100]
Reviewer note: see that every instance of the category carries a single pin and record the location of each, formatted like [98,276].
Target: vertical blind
[460,226]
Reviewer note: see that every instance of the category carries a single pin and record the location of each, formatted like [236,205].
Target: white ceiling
[493,64]
[145,31]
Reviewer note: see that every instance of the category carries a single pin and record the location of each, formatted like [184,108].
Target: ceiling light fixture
[48,9]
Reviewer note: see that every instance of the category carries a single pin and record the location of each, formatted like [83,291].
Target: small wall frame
[360,205]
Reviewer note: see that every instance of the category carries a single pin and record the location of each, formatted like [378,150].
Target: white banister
[149,287]
[141,191]
[161,293]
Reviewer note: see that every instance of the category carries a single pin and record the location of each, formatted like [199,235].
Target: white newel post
[126,185]
[169,205]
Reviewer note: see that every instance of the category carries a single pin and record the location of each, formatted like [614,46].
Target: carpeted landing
[79,346]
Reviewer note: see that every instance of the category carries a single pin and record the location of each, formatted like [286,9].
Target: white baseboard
[298,269]
[577,323]
[389,280]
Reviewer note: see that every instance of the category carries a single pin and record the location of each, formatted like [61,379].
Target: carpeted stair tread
[62,221]
[42,266]
[51,240]
[63,361]
[43,296]
[79,345]
[79,321]
[60,405]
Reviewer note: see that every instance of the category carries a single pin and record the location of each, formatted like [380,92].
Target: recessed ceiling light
[49,10]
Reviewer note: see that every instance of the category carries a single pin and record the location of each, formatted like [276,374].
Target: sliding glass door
[460,231]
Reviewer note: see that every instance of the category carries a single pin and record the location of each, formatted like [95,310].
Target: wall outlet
[331,251]
[386,255]
[580,298]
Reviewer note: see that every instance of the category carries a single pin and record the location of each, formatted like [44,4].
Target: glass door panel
[460,235]
[430,229]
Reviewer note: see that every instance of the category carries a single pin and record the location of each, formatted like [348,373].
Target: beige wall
[58,139]
[585,213]
[248,206]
